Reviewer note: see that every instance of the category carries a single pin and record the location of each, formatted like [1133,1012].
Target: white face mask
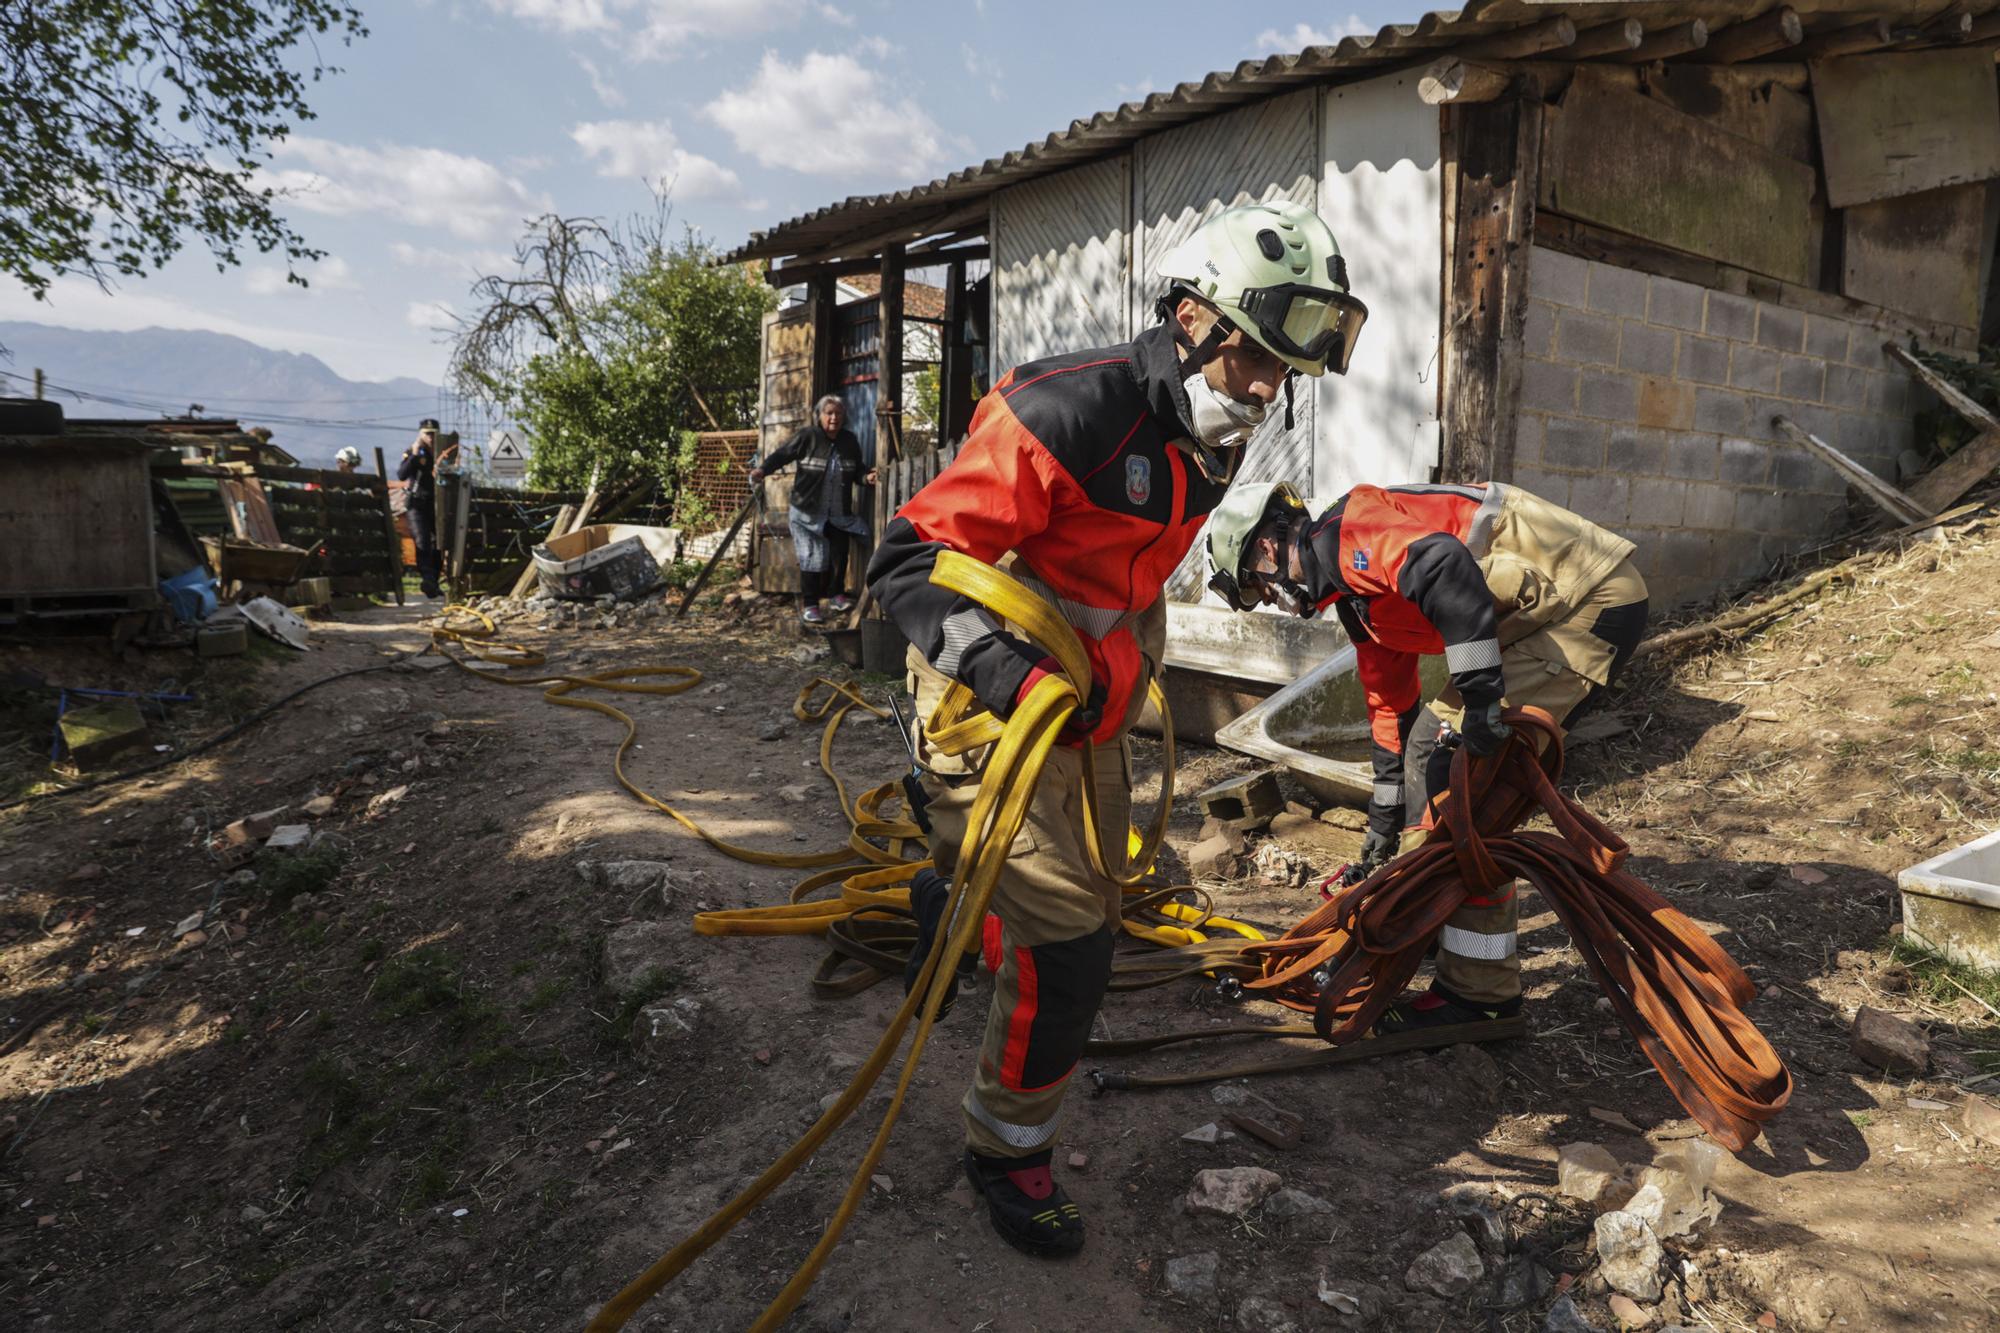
[1222,426]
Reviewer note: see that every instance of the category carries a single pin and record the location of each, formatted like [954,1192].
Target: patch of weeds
[1871,659]
[617,1030]
[1851,749]
[428,981]
[1961,674]
[488,827]
[372,950]
[556,1194]
[346,1116]
[307,934]
[95,1023]
[521,967]
[261,1274]
[1861,1119]
[1942,981]
[547,994]
[235,1034]
[286,877]
[430,1183]
[1908,701]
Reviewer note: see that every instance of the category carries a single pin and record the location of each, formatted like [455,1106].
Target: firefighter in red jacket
[1529,605]
[1088,477]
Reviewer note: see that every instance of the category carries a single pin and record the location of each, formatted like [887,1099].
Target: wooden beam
[1984,28]
[1760,36]
[793,274]
[1885,497]
[1533,40]
[1464,82]
[1607,39]
[389,532]
[1455,81]
[1667,43]
[1496,148]
[1946,27]
[1952,396]
[1865,36]
[868,244]
[889,354]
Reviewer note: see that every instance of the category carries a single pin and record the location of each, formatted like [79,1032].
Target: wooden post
[1533,40]
[1667,42]
[1454,81]
[389,529]
[1606,39]
[1868,35]
[41,381]
[825,354]
[1755,37]
[889,352]
[460,504]
[955,374]
[1497,151]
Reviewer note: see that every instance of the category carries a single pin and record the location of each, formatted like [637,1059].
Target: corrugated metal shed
[860,223]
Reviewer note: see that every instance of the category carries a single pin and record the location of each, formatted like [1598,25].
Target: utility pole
[39,379]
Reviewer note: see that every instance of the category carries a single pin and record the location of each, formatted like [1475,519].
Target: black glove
[1377,850]
[1483,730]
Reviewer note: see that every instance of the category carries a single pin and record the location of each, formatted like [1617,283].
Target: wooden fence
[343,518]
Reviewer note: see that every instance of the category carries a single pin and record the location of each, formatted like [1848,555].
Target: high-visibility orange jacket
[1070,465]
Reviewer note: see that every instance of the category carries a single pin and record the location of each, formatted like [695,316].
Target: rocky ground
[461,1062]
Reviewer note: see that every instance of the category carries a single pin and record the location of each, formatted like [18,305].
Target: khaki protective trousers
[1047,941]
[1555,669]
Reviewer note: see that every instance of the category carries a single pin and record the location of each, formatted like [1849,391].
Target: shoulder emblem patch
[1138,478]
[1361,557]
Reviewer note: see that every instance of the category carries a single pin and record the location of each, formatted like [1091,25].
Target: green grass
[1942,981]
[1907,701]
[546,994]
[1871,659]
[1958,673]
[285,877]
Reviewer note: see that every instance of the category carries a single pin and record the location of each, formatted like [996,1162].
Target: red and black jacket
[1070,465]
[1400,567]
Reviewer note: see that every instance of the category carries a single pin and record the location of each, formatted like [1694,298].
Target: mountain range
[311,411]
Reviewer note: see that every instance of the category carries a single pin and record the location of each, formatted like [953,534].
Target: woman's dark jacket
[810,448]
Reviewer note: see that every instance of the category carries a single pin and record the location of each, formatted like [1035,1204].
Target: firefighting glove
[1483,730]
[1377,850]
[1088,714]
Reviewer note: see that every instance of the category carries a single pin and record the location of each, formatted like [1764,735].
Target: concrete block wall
[1646,405]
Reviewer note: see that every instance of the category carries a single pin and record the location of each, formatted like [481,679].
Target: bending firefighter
[1088,477]
[1527,602]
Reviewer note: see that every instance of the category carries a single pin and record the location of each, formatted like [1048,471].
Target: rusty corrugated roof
[922,208]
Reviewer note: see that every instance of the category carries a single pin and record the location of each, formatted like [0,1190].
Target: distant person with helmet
[1089,475]
[417,472]
[826,506]
[1529,604]
[347,460]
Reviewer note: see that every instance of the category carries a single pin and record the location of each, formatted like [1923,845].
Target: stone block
[1675,304]
[1557,277]
[1703,360]
[1743,463]
[1665,403]
[1637,451]
[1808,513]
[1865,349]
[1584,339]
[1538,331]
[1847,389]
[1589,1173]
[637,958]
[1721,410]
[1629,1255]
[1982,1120]
[1547,386]
[1826,338]
[1857,435]
[1690,455]
[1569,442]
[1601,499]
[1609,395]
[1796,470]
[1449,1268]
[1645,349]
[1731,316]
[1230,1191]
[1687,554]
[1781,329]
[1657,500]
[1248,801]
[1888,1043]
[1192,1277]
[1708,506]
[1528,432]
[289,838]
[1617,291]
[1215,858]
[1753,368]
[1551,486]
[1889,394]
[1802,377]
[96,732]
[253,828]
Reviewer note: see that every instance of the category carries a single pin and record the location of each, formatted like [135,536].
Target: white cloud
[607,91]
[427,187]
[654,29]
[984,69]
[649,150]
[429,316]
[1305,34]
[458,263]
[827,116]
[328,275]
[562,15]
[879,47]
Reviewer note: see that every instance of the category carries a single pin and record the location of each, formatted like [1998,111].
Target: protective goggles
[1305,322]
[1245,596]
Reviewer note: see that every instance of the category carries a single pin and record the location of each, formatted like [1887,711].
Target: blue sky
[457,119]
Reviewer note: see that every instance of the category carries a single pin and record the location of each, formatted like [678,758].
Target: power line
[377,424]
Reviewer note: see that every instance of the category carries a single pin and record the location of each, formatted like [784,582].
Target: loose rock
[1479,1207]
[631,878]
[289,838]
[1448,1268]
[661,1031]
[1883,1041]
[774,729]
[1628,1255]
[1230,1191]
[1208,1133]
[1588,1171]
[318,807]
[1360,1302]
[1563,1317]
[635,956]
[1290,1203]
[1214,858]
[1982,1120]
[1192,1276]
[1227,830]
[1261,1314]
[1630,1313]
[1525,1282]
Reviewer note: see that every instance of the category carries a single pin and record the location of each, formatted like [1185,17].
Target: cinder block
[1665,403]
[1708,506]
[1720,410]
[1704,360]
[1758,511]
[1802,377]
[1528,435]
[1779,328]
[1648,350]
[1675,304]
[1551,486]
[1637,451]
[1888,394]
[1731,316]
[1743,463]
[1573,443]
[1797,470]
[1608,394]
[1857,435]
[1548,387]
[1815,418]
[1586,340]
[1809,513]
[1847,388]
[1864,348]
[1686,554]
[1764,413]
[1617,291]
[1657,500]
[1601,499]
[1753,368]
[1734,557]
[1690,454]
[1826,338]
[1557,277]
[1538,332]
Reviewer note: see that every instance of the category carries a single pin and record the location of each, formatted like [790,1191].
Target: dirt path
[407,1101]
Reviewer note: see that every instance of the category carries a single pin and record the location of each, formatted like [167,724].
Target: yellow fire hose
[868,874]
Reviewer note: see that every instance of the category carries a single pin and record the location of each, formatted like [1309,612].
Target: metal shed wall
[1062,251]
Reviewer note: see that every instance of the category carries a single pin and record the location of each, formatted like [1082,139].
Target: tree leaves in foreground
[609,345]
[127,125]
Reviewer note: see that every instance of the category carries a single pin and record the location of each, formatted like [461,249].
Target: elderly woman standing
[826,504]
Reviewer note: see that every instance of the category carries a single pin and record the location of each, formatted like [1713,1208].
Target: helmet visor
[1308,323]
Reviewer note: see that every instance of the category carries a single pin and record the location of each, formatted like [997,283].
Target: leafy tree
[126,125]
[609,345]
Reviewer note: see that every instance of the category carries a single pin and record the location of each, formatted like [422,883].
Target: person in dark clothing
[826,504]
[417,472]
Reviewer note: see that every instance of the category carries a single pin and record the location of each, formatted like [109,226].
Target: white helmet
[1275,272]
[1232,526]
[350,456]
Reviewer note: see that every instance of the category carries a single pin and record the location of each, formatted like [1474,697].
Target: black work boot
[1440,1009]
[929,892]
[1028,1208]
